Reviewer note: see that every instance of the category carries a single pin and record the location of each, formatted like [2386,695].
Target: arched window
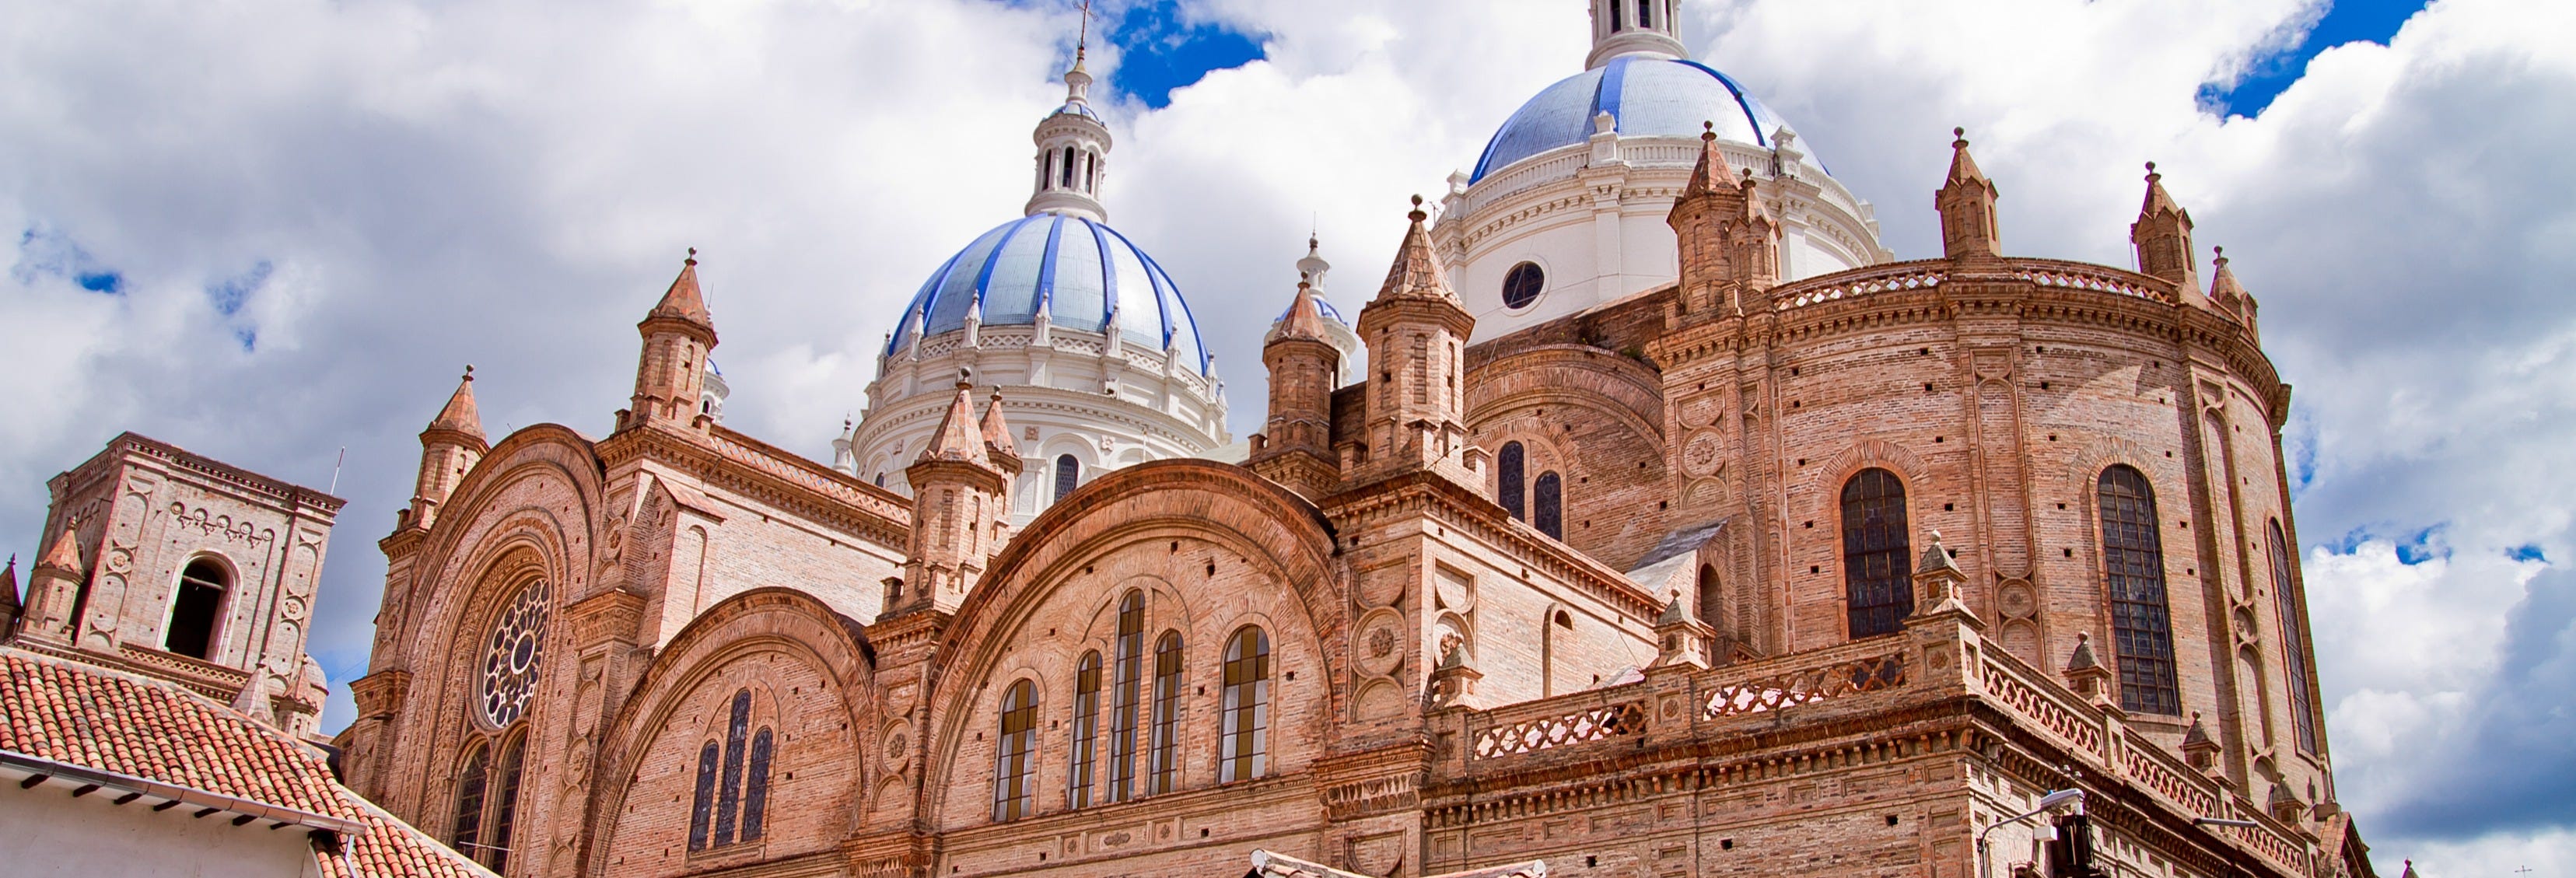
[1014,752]
[1618,16]
[755,795]
[467,836]
[505,812]
[1090,171]
[1709,598]
[1645,13]
[732,793]
[1507,481]
[1068,473]
[1130,657]
[1244,750]
[1878,572]
[1165,774]
[702,802]
[2133,574]
[1086,730]
[193,611]
[1046,170]
[1067,182]
[2294,642]
[1548,508]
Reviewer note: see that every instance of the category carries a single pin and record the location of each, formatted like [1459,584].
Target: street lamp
[2047,803]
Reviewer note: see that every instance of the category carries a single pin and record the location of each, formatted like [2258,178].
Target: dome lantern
[1622,28]
[1073,152]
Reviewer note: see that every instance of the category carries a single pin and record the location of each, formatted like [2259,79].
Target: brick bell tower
[1297,448]
[1730,247]
[670,375]
[1416,332]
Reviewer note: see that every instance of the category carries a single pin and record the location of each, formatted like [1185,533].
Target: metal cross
[2526,870]
[1085,38]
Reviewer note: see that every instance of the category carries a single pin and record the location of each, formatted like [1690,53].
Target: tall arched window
[1507,480]
[1878,570]
[731,797]
[1645,13]
[505,811]
[1165,774]
[1015,751]
[2294,643]
[1068,167]
[755,794]
[1618,16]
[1244,750]
[467,836]
[702,802]
[2133,574]
[1068,473]
[195,608]
[1548,507]
[1709,598]
[1130,656]
[1090,172]
[1086,730]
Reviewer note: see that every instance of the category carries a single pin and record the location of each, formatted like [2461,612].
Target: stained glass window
[505,813]
[468,833]
[1548,508]
[511,657]
[1013,752]
[1086,731]
[1165,756]
[2133,574]
[1878,568]
[755,794]
[1508,489]
[1245,746]
[1122,715]
[702,803]
[1068,474]
[729,793]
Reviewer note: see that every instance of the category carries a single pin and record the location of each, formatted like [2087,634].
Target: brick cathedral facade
[1743,573]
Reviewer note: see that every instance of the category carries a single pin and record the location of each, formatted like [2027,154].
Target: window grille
[2134,576]
[1878,566]
[1244,749]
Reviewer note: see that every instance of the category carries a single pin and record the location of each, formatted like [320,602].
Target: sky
[269,231]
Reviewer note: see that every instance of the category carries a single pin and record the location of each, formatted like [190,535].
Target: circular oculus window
[510,659]
[1522,284]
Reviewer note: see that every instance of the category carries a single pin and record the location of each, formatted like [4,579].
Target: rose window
[510,659]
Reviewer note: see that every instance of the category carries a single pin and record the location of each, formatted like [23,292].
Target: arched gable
[812,675]
[527,511]
[1223,515]
[1616,386]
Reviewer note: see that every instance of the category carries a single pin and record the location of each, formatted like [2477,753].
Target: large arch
[816,673]
[1222,512]
[527,511]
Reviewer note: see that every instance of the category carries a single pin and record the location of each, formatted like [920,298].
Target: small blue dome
[1650,97]
[1082,270]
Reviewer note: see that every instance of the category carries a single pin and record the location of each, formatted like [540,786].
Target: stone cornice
[284,495]
[1436,497]
[755,470]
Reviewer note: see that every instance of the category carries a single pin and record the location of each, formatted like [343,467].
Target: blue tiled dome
[1650,97]
[1082,270]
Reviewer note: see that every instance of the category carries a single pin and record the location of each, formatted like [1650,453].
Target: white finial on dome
[1073,145]
[1649,28]
[1313,266]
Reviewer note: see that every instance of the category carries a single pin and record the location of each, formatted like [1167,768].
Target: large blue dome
[1650,97]
[1082,270]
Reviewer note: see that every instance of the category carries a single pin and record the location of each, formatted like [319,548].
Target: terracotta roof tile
[83,715]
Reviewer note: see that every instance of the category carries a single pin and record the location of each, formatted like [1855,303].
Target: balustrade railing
[1550,732]
[1894,278]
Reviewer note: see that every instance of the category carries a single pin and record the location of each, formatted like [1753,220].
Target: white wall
[49,834]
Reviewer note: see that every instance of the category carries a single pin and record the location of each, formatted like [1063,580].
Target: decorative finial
[2151,170]
[1960,132]
[469,371]
[2219,252]
[1416,213]
[693,256]
[1707,131]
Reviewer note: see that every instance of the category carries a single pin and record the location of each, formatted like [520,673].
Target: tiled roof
[115,722]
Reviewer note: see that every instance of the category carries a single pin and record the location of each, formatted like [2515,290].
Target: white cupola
[1073,153]
[1635,27]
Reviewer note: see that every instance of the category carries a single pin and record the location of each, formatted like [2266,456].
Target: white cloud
[511,185]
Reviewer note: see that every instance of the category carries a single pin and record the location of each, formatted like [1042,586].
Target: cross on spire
[1082,40]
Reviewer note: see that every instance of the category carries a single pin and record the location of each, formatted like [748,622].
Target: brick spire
[460,416]
[1711,174]
[683,301]
[65,556]
[2162,236]
[998,446]
[1416,273]
[1305,317]
[1966,200]
[957,437]
[1729,246]
[9,603]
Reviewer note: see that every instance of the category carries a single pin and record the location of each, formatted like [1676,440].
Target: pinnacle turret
[1966,200]
[460,417]
[1416,272]
[2162,236]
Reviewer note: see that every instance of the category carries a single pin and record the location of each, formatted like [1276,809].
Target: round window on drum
[1522,285]
[510,659]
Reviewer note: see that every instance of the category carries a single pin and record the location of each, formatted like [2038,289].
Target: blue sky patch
[47,252]
[2424,545]
[1162,48]
[2346,21]
[2527,552]
[230,294]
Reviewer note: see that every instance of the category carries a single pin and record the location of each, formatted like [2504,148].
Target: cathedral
[1650,519]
